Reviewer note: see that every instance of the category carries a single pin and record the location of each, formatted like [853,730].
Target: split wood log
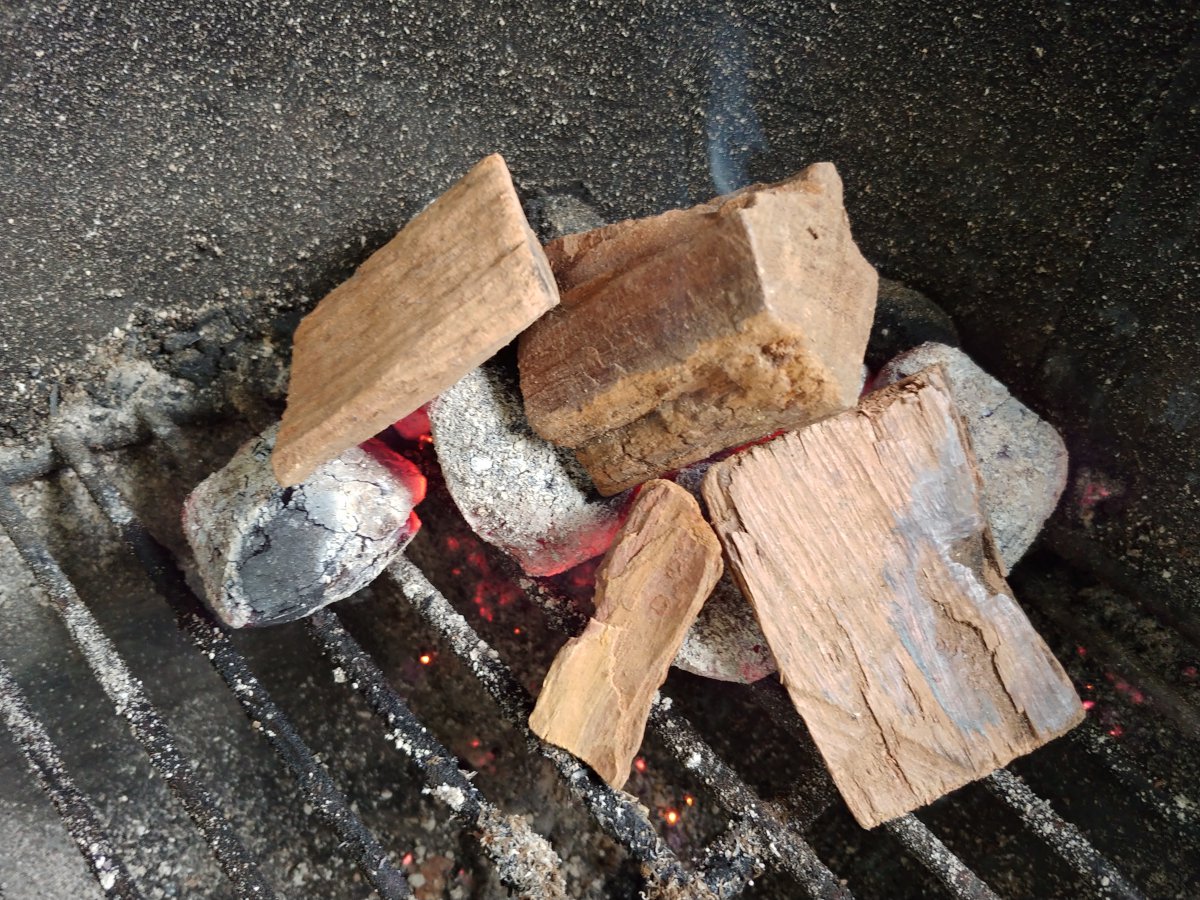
[268,554]
[596,697]
[686,333]
[460,281]
[862,544]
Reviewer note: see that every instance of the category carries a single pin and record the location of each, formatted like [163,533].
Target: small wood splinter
[661,567]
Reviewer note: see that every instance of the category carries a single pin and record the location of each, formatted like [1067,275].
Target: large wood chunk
[863,547]
[460,281]
[596,697]
[693,331]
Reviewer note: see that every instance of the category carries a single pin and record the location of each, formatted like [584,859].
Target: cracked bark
[863,547]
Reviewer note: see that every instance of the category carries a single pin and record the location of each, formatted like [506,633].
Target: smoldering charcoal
[517,491]
[269,554]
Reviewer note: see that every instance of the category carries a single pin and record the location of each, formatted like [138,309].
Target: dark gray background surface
[1032,166]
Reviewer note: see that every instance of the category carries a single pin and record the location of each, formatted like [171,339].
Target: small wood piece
[460,281]
[686,333]
[597,695]
[863,547]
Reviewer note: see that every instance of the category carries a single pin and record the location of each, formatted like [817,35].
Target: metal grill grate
[760,836]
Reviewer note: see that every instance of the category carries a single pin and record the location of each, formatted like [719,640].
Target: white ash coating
[523,856]
[1022,459]
[517,491]
[268,554]
[725,642]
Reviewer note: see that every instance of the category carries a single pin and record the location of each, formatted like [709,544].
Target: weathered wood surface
[693,331]
[861,543]
[596,697]
[460,281]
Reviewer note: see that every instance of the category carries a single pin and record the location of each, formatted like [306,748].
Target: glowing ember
[672,817]
[491,588]
[516,630]
[1089,704]
[689,800]
[639,763]
[414,427]
[1116,731]
[425,658]
[1082,651]
[407,859]
[475,742]
[1094,492]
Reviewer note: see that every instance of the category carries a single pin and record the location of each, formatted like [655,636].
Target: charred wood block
[517,491]
[460,281]
[700,329]
[596,697]
[863,546]
[268,554]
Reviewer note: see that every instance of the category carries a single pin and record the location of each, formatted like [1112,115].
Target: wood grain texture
[460,281]
[861,543]
[686,333]
[661,567]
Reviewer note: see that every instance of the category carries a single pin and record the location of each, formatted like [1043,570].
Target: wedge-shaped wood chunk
[686,333]
[661,567]
[460,281]
[861,543]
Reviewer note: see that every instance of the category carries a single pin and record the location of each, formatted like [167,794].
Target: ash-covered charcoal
[725,642]
[1022,459]
[904,319]
[517,491]
[269,554]
[554,215]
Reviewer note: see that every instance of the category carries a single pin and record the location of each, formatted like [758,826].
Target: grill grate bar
[616,815]
[1104,748]
[923,844]
[46,763]
[523,858]
[1119,660]
[319,790]
[767,831]
[131,703]
[955,875]
[727,864]
[1063,837]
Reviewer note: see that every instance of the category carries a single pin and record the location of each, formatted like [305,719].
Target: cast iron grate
[760,835]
